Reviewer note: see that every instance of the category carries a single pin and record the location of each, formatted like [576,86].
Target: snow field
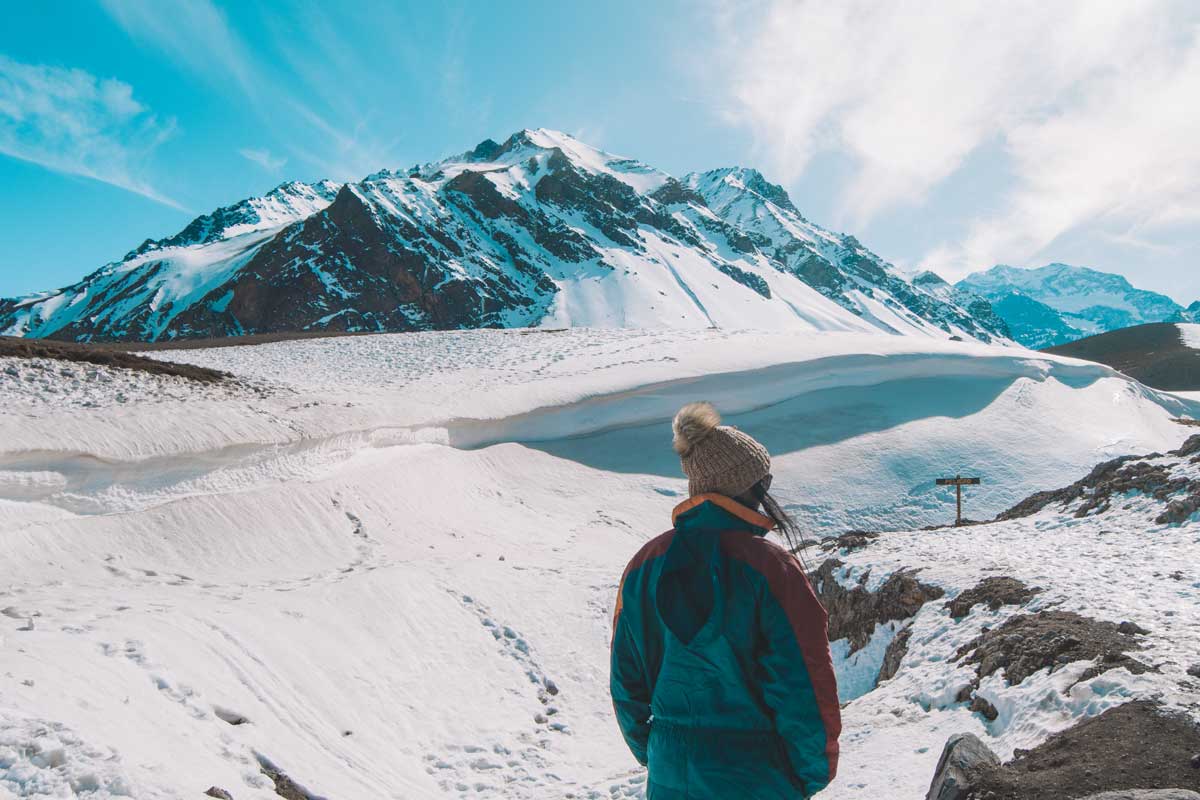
[395,617]
[1190,334]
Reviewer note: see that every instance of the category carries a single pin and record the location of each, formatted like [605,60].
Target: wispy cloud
[70,121]
[263,158]
[328,73]
[1093,104]
[193,33]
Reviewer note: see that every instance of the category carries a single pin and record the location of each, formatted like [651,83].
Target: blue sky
[1006,133]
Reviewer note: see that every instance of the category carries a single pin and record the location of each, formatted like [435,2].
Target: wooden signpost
[958,481]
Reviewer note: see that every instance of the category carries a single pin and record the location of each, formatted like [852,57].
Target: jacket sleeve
[799,684]
[627,683]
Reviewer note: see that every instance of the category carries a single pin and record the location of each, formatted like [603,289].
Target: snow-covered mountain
[542,230]
[1059,303]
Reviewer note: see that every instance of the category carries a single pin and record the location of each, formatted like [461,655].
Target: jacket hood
[688,596]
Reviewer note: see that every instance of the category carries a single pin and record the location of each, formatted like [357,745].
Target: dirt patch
[853,613]
[1027,643]
[995,592]
[1133,746]
[106,356]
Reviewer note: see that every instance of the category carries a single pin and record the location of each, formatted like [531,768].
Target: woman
[721,676]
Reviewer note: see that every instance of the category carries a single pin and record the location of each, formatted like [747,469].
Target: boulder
[964,760]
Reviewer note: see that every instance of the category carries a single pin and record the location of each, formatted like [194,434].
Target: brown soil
[1132,746]
[104,355]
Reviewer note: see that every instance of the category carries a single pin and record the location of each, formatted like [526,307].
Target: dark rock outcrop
[1146,475]
[1027,643]
[1135,746]
[848,541]
[965,760]
[854,613]
[995,591]
[895,653]
[285,787]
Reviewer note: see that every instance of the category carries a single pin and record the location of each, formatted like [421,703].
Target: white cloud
[1093,104]
[197,37]
[194,33]
[263,158]
[70,121]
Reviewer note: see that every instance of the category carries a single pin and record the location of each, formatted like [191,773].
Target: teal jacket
[721,676]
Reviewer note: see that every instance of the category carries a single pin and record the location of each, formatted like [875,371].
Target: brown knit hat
[717,458]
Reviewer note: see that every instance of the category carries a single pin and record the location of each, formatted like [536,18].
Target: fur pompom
[693,422]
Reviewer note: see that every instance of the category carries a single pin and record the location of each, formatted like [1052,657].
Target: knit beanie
[717,458]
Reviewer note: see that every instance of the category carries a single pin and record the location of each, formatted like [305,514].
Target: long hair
[785,524]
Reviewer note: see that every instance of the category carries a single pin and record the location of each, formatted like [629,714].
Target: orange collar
[729,504]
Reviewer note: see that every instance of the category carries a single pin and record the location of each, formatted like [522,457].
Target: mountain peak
[528,148]
[929,278]
[1059,302]
[742,179]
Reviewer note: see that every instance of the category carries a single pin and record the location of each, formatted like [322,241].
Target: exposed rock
[965,759]
[1135,746]
[1027,643]
[894,655]
[285,787]
[848,541]
[995,591]
[854,613]
[1194,670]
[219,793]
[1120,476]
[981,706]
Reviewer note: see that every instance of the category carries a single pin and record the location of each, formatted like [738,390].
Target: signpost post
[958,481]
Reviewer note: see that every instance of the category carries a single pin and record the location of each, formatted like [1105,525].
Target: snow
[395,556]
[1190,334]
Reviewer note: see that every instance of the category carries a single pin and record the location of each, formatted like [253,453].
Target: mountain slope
[1162,355]
[1060,303]
[539,230]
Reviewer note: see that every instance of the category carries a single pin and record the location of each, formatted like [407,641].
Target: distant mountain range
[1060,303]
[540,230]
